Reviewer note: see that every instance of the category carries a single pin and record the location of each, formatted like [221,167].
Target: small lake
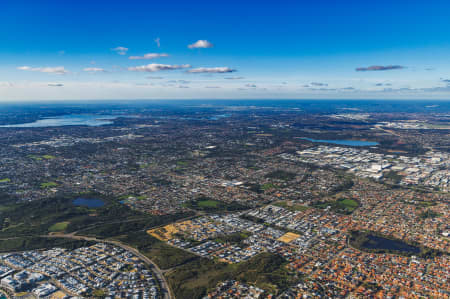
[217,117]
[89,202]
[344,142]
[92,120]
[375,242]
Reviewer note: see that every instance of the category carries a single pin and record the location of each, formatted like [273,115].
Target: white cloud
[60,70]
[155,67]
[217,70]
[93,69]
[200,44]
[158,42]
[120,50]
[149,56]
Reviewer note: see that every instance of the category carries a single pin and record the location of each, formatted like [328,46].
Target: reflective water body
[375,242]
[217,117]
[344,142]
[92,120]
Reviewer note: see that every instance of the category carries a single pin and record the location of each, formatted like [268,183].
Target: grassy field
[40,158]
[342,206]
[208,203]
[291,207]
[349,203]
[211,205]
[281,175]
[4,208]
[47,185]
[425,203]
[268,186]
[59,226]
[6,180]
[48,157]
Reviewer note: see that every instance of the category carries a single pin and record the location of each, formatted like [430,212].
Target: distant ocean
[341,106]
[97,113]
[312,106]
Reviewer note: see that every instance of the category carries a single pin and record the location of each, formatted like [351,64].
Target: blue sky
[239,49]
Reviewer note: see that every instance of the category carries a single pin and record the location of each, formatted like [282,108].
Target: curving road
[165,288]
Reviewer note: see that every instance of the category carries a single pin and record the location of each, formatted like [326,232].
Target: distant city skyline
[83,50]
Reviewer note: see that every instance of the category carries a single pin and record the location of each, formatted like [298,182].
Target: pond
[344,142]
[217,117]
[88,202]
[91,120]
[376,242]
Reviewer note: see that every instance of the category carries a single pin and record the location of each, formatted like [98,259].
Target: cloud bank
[379,68]
[149,56]
[156,67]
[212,70]
[60,70]
[94,70]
